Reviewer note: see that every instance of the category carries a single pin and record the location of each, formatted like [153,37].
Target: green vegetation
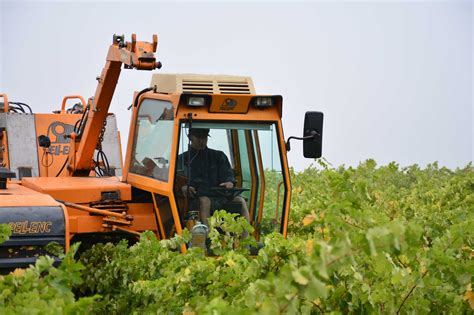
[5,232]
[44,289]
[361,240]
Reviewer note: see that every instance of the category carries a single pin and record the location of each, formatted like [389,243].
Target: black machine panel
[34,221]
[32,229]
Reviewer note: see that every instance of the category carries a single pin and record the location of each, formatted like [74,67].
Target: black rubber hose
[135,104]
[23,104]
[62,167]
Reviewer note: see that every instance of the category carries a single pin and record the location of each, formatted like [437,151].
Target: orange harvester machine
[80,197]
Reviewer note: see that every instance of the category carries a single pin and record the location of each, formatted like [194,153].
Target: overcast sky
[394,79]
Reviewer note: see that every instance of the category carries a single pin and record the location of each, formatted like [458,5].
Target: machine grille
[191,86]
[233,87]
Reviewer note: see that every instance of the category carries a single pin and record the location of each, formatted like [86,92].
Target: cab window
[254,156]
[153,137]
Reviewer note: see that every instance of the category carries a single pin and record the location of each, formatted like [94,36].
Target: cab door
[149,162]
[262,172]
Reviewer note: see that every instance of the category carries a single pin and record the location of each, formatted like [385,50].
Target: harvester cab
[244,126]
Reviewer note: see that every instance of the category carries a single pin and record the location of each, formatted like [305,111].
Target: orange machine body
[139,200]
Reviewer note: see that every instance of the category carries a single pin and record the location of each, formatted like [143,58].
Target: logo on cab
[228,104]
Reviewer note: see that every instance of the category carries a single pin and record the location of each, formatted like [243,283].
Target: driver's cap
[199,132]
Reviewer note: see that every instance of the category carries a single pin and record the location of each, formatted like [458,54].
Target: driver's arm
[227,185]
[226,173]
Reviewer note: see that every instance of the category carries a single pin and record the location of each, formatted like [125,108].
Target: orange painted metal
[158,216]
[161,188]
[149,184]
[97,211]
[253,115]
[122,229]
[229,104]
[5,160]
[17,195]
[277,210]
[262,177]
[6,104]
[131,136]
[67,240]
[56,127]
[253,173]
[236,152]
[69,97]
[71,159]
[99,107]
[84,222]
[78,189]
[286,174]
[138,55]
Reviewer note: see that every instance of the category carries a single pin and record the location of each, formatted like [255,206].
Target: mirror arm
[313,135]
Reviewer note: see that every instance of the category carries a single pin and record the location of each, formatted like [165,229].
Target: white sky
[394,79]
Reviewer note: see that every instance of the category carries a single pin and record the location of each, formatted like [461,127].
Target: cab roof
[175,83]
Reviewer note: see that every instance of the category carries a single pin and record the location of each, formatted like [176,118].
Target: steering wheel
[229,193]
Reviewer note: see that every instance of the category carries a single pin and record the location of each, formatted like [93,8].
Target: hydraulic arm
[134,55]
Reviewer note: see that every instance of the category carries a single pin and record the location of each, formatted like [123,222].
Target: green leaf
[315,289]
[299,278]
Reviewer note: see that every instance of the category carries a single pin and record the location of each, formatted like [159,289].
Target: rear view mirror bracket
[313,135]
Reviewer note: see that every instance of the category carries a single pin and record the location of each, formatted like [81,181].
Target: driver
[209,168]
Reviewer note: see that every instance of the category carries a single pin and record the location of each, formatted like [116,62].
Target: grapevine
[370,239]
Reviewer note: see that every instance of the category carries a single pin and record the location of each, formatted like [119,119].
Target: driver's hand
[227,185]
[192,190]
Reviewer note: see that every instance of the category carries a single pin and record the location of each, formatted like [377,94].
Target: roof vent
[205,84]
[196,86]
[228,87]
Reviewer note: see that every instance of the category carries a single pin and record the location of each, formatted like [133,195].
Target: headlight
[196,101]
[263,101]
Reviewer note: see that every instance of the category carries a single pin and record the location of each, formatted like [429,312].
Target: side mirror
[313,135]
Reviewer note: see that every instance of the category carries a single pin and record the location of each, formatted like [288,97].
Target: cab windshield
[245,154]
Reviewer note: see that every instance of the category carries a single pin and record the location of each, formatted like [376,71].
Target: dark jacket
[209,168]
